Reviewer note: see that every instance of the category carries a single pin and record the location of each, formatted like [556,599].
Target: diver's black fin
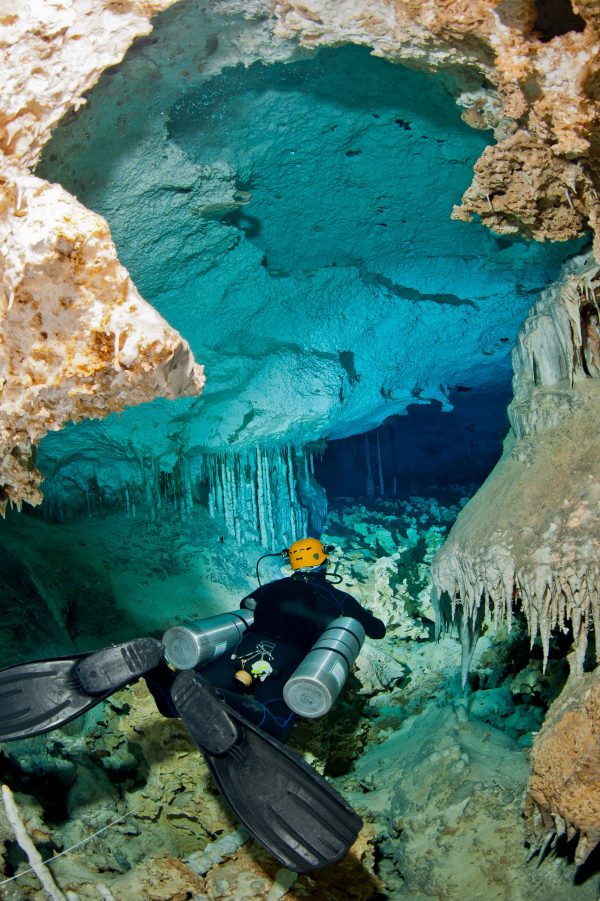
[287,806]
[112,668]
[39,696]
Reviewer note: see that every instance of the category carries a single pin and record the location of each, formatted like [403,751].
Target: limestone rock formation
[564,792]
[530,535]
[527,74]
[528,71]
[77,339]
[51,54]
[448,821]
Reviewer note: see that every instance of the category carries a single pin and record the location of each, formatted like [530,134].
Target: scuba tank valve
[315,684]
[189,646]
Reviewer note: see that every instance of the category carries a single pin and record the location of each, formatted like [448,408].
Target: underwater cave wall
[529,538]
[531,81]
[531,78]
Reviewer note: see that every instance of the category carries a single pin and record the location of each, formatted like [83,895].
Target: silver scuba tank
[315,684]
[189,646]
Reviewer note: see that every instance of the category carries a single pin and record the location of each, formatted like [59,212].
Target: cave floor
[438,777]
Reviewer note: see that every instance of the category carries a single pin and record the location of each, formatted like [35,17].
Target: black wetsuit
[290,614]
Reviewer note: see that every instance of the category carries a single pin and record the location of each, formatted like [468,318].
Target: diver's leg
[291,810]
[159,682]
[252,709]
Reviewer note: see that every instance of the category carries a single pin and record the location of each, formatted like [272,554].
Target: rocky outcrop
[526,70]
[78,341]
[516,68]
[564,793]
[529,538]
[164,832]
[51,54]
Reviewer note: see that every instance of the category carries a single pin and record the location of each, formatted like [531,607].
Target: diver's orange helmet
[306,552]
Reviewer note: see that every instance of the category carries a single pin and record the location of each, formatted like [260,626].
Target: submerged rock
[564,788]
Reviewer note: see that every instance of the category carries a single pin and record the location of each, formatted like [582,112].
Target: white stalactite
[263,495]
[529,537]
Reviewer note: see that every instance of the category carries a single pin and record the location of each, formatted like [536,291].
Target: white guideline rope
[72,848]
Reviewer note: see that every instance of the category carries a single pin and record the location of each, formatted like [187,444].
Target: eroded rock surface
[51,54]
[77,339]
[530,535]
[564,791]
[529,76]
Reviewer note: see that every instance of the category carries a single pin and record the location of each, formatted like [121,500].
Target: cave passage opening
[289,213]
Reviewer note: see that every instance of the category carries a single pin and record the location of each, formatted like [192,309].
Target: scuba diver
[290,615]
[241,706]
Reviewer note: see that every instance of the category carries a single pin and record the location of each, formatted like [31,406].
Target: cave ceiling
[288,212]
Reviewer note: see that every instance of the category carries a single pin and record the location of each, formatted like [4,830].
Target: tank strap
[337,650]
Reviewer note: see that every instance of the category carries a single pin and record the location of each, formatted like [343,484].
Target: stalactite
[212,508]
[370,484]
[149,493]
[548,481]
[264,494]
[260,501]
[269,502]
[292,489]
[380,467]
[251,490]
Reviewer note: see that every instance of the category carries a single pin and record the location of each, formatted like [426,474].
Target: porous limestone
[564,791]
[51,53]
[78,340]
[533,81]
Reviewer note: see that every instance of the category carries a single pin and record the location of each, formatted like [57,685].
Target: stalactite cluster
[264,494]
[259,493]
[528,539]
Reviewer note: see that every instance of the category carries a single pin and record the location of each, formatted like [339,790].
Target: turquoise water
[293,222]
